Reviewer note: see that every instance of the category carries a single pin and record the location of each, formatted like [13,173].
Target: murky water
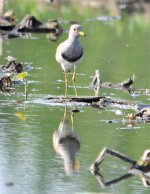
[29,162]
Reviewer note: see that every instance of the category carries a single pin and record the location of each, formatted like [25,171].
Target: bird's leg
[66,82]
[65,113]
[73,80]
[72,119]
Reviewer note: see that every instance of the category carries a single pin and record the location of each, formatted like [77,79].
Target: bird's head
[76,31]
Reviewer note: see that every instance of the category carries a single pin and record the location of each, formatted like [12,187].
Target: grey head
[76,31]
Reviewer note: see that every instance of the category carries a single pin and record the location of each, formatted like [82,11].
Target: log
[97,83]
[93,101]
[7,27]
[41,29]
[124,85]
[75,99]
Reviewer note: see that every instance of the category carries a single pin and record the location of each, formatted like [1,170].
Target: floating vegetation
[12,74]
[21,115]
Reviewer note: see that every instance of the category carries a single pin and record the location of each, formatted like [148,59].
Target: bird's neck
[73,38]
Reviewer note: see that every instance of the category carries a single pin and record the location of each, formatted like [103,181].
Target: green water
[118,49]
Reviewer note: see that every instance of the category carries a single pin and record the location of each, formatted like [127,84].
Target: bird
[70,53]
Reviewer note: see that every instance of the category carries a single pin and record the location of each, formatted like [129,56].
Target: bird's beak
[81,33]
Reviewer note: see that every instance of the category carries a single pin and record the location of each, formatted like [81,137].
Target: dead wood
[97,83]
[124,85]
[93,101]
[12,66]
[7,27]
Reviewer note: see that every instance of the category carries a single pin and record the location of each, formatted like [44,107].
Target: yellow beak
[81,33]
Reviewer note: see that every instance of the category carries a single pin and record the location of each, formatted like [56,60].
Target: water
[29,163]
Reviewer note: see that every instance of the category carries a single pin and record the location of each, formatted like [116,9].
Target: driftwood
[12,67]
[29,24]
[7,21]
[8,27]
[138,168]
[32,24]
[98,101]
[125,85]
[97,83]
[142,111]
[101,101]
[93,101]
[5,84]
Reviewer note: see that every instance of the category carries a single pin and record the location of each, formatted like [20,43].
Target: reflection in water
[2,41]
[1,46]
[139,168]
[21,115]
[67,143]
[30,24]
[58,30]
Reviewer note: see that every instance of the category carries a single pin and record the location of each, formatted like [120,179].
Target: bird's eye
[75,29]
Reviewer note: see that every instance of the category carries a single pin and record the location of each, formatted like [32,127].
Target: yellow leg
[66,82]
[65,112]
[65,115]
[72,120]
[74,80]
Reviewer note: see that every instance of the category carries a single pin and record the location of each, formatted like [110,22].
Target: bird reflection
[139,168]
[66,143]
[2,41]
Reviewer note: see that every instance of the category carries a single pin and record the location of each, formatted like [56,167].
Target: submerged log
[93,101]
[63,99]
